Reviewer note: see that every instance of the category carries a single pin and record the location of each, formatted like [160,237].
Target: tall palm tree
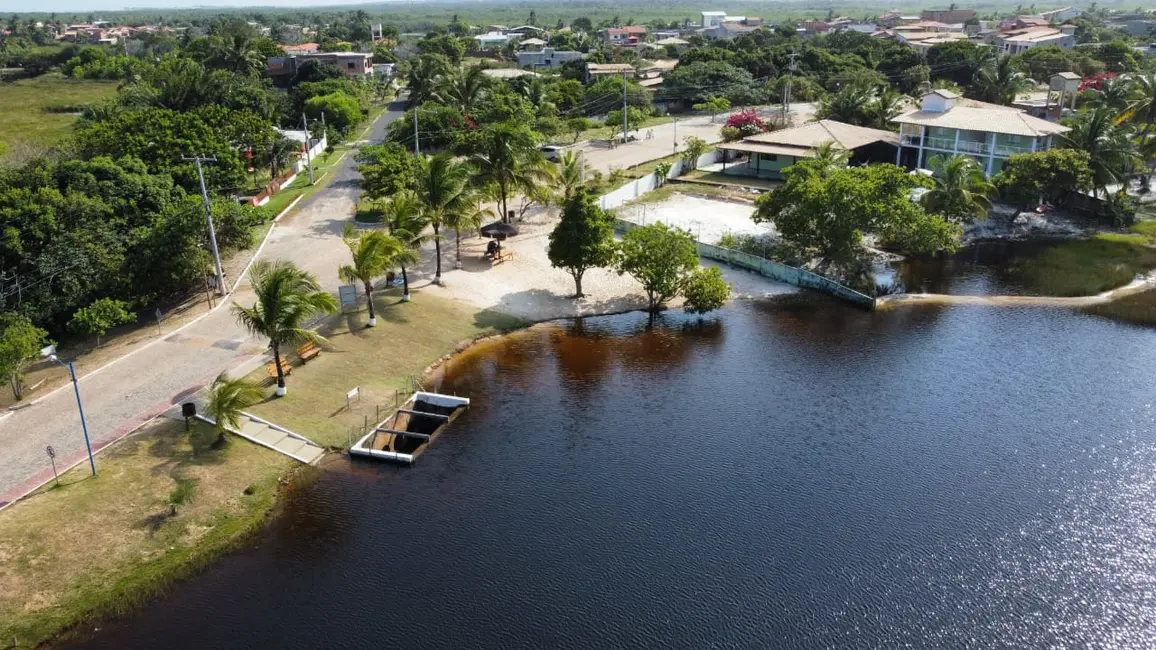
[1112,155]
[847,105]
[961,190]
[228,398]
[469,218]
[374,254]
[1118,94]
[287,297]
[509,158]
[1000,82]
[423,77]
[240,53]
[441,186]
[405,218]
[463,89]
[887,103]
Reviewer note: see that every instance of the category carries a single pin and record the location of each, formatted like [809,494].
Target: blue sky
[96,6]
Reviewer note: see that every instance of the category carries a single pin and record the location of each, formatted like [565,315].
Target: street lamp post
[50,353]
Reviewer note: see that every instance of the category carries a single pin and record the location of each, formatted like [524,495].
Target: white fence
[317,150]
[637,188]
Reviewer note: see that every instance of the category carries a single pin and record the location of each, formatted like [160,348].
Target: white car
[552,152]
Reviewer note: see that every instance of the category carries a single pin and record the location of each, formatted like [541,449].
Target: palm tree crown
[228,398]
[961,190]
[287,298]
[1000,82]
[374,254]
[405,218]
[463,89]
[441,187]
[509,158]
[1111,151]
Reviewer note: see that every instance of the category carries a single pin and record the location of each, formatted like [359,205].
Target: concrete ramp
[279,439]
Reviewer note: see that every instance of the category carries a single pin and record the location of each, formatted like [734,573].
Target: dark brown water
[989,268]
[787,475]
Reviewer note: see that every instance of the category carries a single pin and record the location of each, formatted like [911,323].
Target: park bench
[271,369]
[308,351]
[503,256]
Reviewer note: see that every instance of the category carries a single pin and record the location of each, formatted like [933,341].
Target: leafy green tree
[450,47]
[228,399]
[507,156]
[386,169]
[287,298]
[341,111]
[582,240]
[578,125]
[442,188]
[961,192]
[714,106]
[698,82]
[661,258]
[101,316]
[824,211]
[954,60]
[634,119]
[20,344]
[374,254]
[1028,178]
[705,290]
[695,147]
[582,24]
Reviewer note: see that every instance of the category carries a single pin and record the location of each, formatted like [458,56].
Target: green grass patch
[32,107]
[1086,267]
[379,360]
[605,132]
[1146,228]
[1137,309]
[99,546]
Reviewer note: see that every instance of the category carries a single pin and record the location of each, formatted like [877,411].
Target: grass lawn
[408,337]
[99,546]
[1090,266]
[604,132]
[25,101]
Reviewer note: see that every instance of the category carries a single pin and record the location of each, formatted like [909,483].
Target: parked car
[552,152]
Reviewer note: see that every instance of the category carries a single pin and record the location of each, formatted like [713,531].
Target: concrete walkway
[279,439]
[125,394]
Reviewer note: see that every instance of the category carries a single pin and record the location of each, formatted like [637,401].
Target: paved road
[140,386]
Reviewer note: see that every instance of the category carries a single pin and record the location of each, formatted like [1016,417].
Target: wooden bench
[271,369]
[503,256]
[308,351]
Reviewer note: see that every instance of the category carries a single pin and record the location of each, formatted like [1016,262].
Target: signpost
[356,392]
[52,457]
[347,294]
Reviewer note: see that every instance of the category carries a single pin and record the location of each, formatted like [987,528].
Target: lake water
[787,474]
[988,268]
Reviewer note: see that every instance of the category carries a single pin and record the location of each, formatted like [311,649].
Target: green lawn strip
[408,337]
[96,547]
[1086,267]
[605,132]
[27,101]
[1145,227]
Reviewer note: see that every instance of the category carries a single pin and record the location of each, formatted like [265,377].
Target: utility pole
[625,124]
[416,137]
[308,156]
[787,88]
[209,218]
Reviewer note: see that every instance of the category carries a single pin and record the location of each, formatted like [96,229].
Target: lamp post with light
[50,353]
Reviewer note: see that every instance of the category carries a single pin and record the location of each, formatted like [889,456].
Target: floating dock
[405,434]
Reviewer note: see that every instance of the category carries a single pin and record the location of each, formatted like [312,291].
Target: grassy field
[1090,266]
[408,337]
[99,546]
[25,102]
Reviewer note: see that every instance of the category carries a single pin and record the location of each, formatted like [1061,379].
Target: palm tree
[1112,155]
[463,89]
[280,149]
[374,254]
[828,157]
[571,173]
[405,219]
[1118,94]
[847,105]
[287,297]
[424,73]
[999,83]
[228,399]
[887,104]
[469,218]
[509,158]
[441,186]
[240,53]
[961,190]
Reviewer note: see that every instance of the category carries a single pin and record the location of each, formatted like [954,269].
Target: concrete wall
[638,187]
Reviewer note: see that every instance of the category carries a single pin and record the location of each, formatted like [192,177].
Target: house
[492,39]
[895,18]
[677,43]
[947,124]
[1059,15]
[624,36]
[1017,40]
[768,154]
[923,41]
[1023,22]
[304,48]
[595,70]
[525,30]
[531,44]
[546,58]
[712,19]
[949,16]
[353,64]
[814,26]
[729,29]
[508,73]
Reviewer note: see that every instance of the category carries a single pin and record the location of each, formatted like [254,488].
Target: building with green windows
[946,124]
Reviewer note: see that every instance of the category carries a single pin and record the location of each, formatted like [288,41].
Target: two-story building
[1015,41]
[945,123]
[353,64]
[628,35]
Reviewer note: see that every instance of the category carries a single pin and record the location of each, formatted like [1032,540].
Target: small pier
[409,430]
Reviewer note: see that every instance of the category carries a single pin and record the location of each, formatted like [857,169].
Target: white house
[1018,40]
[947,124]
[546,58]
[712,18]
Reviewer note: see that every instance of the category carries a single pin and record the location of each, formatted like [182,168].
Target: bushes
[341,111]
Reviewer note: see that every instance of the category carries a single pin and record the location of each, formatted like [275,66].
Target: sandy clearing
[708,220]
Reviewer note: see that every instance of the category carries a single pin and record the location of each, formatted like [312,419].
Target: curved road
[135,388]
